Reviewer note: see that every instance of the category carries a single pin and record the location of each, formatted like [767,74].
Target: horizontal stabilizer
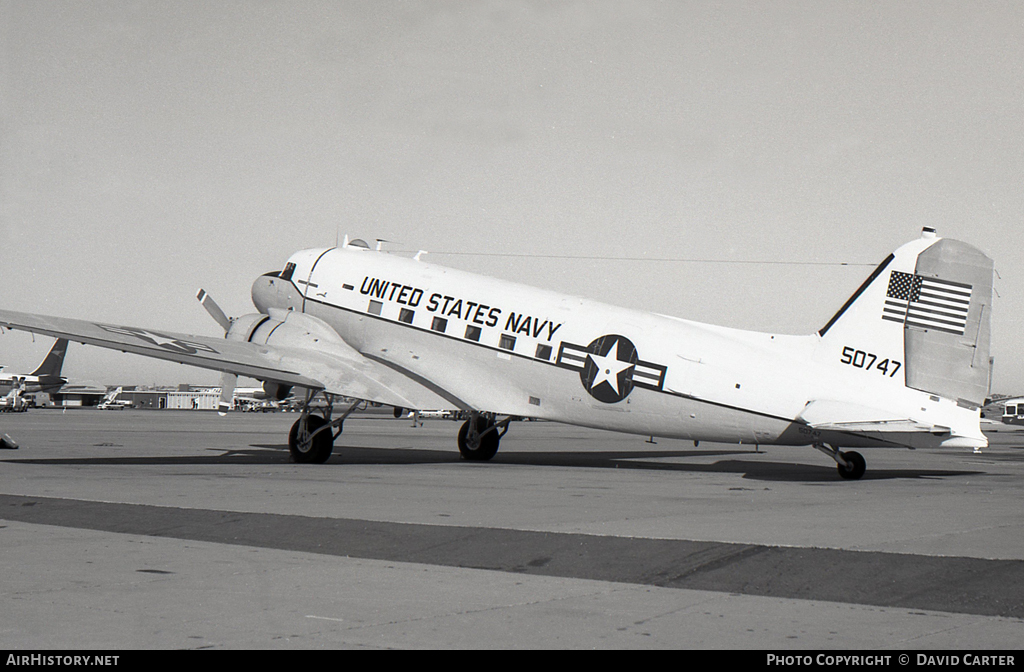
[838,415]
[883,426]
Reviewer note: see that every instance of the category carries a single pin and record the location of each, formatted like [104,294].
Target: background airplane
[903,363]
[46,377]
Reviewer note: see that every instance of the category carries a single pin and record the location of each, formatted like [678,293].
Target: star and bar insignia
[159,340]
[609,367]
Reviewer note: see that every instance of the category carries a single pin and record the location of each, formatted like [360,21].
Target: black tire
[854,467]
[487,443]
[320,449]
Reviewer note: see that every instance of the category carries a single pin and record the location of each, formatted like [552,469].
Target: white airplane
[903,363]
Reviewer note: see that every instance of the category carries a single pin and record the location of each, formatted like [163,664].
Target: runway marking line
[936,583]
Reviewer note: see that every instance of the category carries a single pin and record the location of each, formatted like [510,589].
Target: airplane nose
[270,291]
[261,293]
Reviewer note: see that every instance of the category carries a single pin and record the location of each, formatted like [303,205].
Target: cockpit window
[289,268]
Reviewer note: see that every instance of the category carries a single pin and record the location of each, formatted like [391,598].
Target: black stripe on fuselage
[440,391]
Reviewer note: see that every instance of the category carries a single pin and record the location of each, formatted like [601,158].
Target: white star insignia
[609,367]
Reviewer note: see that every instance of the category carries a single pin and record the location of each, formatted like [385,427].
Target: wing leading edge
[339,370]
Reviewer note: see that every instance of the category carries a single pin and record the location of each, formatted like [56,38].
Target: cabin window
[406,315]
[289,268]
[543,352]
[1011,410]
[375,307]
[439,324]
[473,333]
[507,342]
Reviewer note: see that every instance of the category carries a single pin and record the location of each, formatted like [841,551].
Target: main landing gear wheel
[854,465]
[307,449]
[851,464]
[478,439]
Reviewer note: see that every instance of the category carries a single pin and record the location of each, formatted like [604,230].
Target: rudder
[54,360]
[948,330]
[925,312]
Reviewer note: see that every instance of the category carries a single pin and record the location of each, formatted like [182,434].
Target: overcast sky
[151,148]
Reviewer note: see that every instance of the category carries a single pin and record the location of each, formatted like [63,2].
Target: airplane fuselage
[488,345]
[31,384]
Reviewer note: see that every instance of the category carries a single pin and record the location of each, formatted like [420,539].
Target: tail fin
[54,360]
[926,310]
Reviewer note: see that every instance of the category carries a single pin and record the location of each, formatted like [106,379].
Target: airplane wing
[339,370]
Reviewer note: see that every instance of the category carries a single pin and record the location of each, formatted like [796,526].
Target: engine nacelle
[242,327]
[284,329]
[276,391]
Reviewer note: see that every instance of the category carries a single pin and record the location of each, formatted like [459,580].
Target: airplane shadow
[753,466]
[216,456]
[757,467]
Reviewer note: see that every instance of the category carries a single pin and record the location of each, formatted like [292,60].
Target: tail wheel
[854,467]
[306,450]
[479,445]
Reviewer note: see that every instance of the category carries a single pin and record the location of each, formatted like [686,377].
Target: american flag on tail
[927,303]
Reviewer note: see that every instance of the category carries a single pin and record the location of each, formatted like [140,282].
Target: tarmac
[133,529]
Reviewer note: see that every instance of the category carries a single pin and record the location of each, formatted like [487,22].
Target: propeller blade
[213,309]
[227,393]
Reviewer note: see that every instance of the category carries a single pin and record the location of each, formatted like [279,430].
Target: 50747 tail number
[868,361]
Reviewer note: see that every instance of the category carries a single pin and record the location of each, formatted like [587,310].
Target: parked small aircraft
[46,377]
[903,363]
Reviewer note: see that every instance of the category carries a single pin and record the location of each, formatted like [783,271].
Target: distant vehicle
[258,405]
[1013,411]
[46,377]
[110,402]
[13,402]
[443,414]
